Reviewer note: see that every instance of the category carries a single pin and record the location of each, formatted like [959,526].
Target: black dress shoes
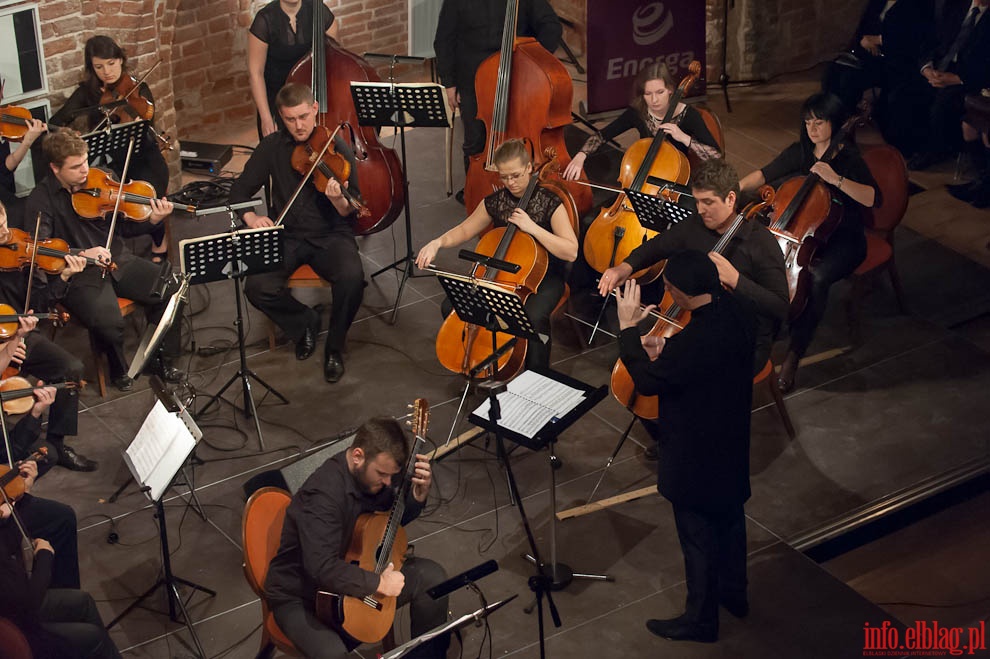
[71,460]
[123,382]
[307,342]
[737,607]
[679,629]
[333,367]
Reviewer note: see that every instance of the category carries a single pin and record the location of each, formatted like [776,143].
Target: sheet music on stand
[424,104]
[115,140]
[656,213]
[208,258]
[530,401]
[160,448]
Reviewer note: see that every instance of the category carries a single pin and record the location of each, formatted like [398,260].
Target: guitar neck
[398,508]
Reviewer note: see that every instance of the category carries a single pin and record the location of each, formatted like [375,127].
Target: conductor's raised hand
[422,478]
[629,310]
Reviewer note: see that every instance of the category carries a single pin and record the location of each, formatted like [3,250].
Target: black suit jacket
[905,30]
[973,63]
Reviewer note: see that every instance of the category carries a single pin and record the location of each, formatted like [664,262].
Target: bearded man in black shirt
[317,231]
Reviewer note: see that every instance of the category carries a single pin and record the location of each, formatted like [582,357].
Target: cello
[460,345]
[523,92]
[328,70]
[670,320]
[616,232]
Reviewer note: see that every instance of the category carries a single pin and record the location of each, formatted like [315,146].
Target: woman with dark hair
[652,91]
[851,183]
[106,65]
[280,35]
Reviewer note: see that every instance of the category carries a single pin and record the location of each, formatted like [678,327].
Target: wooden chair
[714,127]
[765,375]
[890,173]
[126,307]
[261,529]
[13,645]
[303,277]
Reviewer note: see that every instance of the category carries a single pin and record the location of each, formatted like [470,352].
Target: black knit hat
[693,273]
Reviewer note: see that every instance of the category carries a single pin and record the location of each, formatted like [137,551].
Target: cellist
[849,176]
[652,91]
[545,219]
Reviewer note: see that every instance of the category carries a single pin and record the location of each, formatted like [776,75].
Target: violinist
[545,219]
[46,361]
[317,233]
[91,294]
[849,178]
[652,91]
[106,70]
[468,31]
[57,619]
[280,36]
[12,158]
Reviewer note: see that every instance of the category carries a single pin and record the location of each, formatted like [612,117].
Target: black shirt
[704,380]
[317,533]
[753,251]
[543,204]
[797,159]
[689,120]
[312,216]
[468,31]
[285,47]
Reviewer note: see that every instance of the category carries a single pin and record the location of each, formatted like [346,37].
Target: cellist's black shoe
[333,367]
[307,342]
[69,459]
[680,629]
[123,382]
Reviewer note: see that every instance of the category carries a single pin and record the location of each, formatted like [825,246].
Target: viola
[125,102]
[616,232]
[9,318]
[523,92]
[329,69]
[11,480]
[49,254]
[17,394]
[99,197]
[14,123]
[332,165]
[671,320]
[460,345]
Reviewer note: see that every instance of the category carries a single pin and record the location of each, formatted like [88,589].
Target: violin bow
[13,513]
[305,179]
[120,196]
[123,99]
[34,256]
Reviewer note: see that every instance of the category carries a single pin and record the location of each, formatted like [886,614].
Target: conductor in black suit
[958,65]
[703,376]
[468,31]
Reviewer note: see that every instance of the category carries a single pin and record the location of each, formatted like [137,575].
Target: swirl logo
[651,23]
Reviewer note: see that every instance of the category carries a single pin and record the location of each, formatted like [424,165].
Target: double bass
[329,69]
[523,92]
[616,232]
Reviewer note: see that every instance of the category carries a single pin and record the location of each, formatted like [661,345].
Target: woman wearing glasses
[545,218]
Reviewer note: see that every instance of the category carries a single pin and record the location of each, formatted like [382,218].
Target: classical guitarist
[317,533]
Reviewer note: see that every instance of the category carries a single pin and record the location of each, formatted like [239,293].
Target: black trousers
[92,300]
[714,548]
[51,363]
[337,260]
[840,257]
[946,109]
[56,523]
[72,615]
[317,641]
[474,128]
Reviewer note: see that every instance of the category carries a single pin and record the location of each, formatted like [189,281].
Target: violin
[523,92]
[17,394]
[616,232]
[329,69]
[11,480]
[125,102]
[671,320]
[9,318]
[460,345]
[14,123]
[99,197]
[49,254]
[332,165]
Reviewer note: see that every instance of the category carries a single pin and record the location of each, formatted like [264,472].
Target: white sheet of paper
[530,401]
[159,449]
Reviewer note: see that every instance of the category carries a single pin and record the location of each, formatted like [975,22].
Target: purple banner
[626,35]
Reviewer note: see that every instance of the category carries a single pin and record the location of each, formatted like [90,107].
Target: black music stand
[447,628]
[413,105]
[656,213]
[235,255]
[115,138]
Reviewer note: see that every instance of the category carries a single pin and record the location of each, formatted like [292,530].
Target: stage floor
[907,406]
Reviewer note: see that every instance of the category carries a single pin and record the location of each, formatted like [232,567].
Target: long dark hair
[655,71]
[823,106]
[105,48]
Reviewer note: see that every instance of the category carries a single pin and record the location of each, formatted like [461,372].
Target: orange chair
[126,307]
[890,173]
[778,400]
[13,645]
[303,277]
[714,127]
[261,529]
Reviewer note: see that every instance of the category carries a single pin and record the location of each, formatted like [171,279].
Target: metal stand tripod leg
[611,458]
